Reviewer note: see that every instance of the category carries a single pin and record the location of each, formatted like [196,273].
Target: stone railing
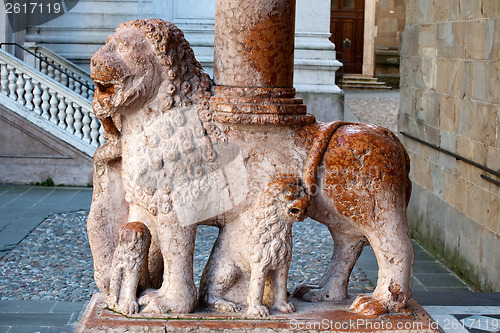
[49,104]
[70,75]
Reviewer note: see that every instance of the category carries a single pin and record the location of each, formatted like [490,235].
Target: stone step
[357,81]
[367,87]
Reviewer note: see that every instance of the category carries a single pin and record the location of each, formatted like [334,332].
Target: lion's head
[287,198]
[145,61]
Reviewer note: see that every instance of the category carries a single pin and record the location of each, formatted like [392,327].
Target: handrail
[42,51]
[65,72]
[458,158]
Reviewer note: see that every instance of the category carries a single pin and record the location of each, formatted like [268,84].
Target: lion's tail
[317,151]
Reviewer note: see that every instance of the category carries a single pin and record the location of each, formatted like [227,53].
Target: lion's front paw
[368,305]
[226,306]
[154,301]
[285,307]
[127,306]
[154,304]
[258,311]
[315,293]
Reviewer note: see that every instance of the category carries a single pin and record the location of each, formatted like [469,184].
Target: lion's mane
[186,82]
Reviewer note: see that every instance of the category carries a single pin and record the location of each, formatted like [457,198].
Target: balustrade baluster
[71,84]
[86,127]
[102,140]
[4,79]
[94,133]
[45,103]
[50,71]
[37,99]
[78,121]
[54,102]
[85,92]
[69,118]
[62,111]
[12,82]
[28,88]
[20,88]
[57,74]
[43,66]
[64,78]
[78,88]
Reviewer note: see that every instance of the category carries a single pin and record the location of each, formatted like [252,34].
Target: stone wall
[450,97]
[390,22]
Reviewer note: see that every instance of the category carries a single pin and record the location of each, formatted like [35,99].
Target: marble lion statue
[168,166]
[255,254]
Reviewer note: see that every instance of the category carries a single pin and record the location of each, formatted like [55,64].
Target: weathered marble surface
[169,166]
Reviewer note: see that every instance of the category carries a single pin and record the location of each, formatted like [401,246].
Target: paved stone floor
[32,215]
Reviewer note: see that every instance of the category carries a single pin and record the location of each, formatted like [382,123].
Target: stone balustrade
[76,79]
[50,102]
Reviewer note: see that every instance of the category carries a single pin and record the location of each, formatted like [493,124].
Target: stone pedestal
[311,317]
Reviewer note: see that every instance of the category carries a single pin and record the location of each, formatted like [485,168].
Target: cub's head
[289,198]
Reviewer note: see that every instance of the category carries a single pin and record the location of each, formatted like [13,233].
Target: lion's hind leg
[393,248]
[333,284]
[219,276]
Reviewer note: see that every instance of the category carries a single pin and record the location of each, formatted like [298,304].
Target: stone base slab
[310,317]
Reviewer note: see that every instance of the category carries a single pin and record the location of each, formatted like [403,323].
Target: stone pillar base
[276,106]
[316,317]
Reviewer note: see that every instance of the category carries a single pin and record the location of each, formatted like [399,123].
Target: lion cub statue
[254,253]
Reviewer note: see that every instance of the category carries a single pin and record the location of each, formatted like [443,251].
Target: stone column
[253,63]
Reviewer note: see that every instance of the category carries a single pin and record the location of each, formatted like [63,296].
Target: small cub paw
[258,311]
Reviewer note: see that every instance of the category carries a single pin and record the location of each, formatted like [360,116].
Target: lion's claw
[226,306]
[127,307]
[258,311]
[285,307]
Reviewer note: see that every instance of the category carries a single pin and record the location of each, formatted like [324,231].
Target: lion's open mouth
[297,212]
[105,89]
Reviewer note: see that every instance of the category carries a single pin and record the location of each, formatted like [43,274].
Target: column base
[276,106]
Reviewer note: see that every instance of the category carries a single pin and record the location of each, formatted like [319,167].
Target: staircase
[358,81]
[55,101]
